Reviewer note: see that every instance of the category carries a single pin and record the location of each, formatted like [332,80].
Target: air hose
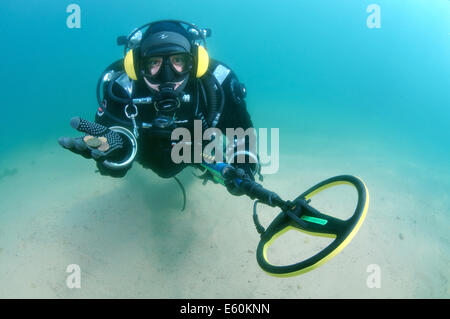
[215,103]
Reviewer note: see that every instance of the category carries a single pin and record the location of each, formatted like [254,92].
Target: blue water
[313,69]
[308,63]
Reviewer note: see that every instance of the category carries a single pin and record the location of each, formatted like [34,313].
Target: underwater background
[347,99]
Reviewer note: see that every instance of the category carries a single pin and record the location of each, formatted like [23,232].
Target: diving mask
[167,68]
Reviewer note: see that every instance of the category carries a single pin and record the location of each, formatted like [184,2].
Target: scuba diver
[165,81]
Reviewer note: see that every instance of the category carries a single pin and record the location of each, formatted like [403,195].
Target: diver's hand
[231,174]
[99,143]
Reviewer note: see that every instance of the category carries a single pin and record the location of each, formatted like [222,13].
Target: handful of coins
[100,143]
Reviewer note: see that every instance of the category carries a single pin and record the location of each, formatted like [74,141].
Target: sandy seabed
[131,240]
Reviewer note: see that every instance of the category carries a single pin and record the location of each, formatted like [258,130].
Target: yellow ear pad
[202,61]
[128,63]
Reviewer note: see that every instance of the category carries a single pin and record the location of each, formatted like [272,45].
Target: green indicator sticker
[314,220]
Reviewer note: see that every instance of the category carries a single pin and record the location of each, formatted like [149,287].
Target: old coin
[93,142]
[104,147]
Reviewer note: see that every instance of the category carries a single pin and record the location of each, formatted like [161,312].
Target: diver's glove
[99,143]
[240,172]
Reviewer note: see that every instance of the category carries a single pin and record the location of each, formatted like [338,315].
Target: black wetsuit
[154,149]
